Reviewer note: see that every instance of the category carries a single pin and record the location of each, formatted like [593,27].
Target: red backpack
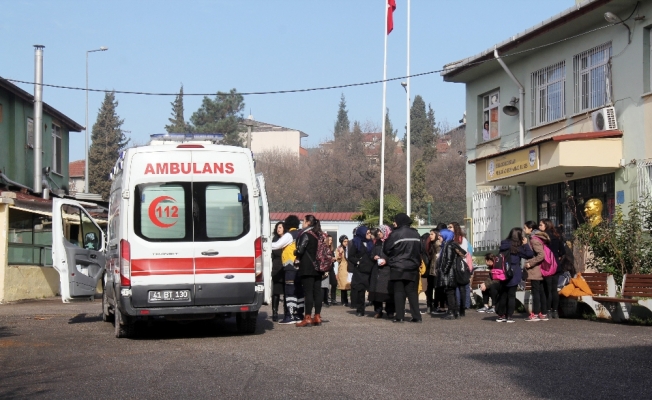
[324,258]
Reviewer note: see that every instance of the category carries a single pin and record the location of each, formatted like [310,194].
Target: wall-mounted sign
[513,164]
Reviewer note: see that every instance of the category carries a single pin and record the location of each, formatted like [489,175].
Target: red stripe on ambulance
[184,266]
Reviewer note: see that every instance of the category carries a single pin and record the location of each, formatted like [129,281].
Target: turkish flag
[390,15]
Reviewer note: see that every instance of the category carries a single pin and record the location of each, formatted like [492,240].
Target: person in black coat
[380,289]
[451,252]
[306,253]
[403,250]
[550,282]
[278,273]
[360,263]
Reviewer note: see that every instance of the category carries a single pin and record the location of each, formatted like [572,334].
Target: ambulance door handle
[210,253]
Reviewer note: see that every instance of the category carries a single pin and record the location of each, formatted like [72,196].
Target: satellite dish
[510,110]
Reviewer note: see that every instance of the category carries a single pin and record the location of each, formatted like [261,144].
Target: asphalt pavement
[64,351]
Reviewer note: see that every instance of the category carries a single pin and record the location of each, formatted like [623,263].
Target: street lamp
[86,185]
[249,123]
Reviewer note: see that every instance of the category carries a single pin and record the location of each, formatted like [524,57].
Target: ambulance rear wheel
[123,327]
[246,322]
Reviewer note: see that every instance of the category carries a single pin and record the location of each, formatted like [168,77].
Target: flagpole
[382,133]
[407,89]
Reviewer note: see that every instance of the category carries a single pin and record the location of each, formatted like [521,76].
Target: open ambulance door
[266,237]
[77,250]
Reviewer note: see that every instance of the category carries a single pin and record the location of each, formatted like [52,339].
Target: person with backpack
[537,267]
[380,290]
[361,263]
[512,250]
[550,282]
[460,239]
[433,247]
[452,258]
[311,277]
[403,250]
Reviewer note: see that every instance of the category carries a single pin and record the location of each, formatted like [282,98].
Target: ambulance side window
[163,211]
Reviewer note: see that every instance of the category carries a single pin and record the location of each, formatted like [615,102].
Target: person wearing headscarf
[450,252]
[403,251]
[380,290]
[343,282]
[361,263]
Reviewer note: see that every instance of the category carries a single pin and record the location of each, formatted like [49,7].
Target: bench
[634,287]
[476,279]
[602,285]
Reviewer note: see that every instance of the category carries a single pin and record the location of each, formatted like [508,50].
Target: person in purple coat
[518,248]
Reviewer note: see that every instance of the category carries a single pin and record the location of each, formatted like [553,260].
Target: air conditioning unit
[504,190]
[604,119]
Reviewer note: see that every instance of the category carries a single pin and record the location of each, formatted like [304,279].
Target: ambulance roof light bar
[171,138]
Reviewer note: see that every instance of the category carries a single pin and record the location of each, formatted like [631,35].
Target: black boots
[275,301]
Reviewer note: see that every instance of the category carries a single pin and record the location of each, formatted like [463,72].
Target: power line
[318,88]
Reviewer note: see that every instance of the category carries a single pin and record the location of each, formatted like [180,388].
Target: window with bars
[57,157]
[552,201]
[644,172]
[548,94]
[591,70]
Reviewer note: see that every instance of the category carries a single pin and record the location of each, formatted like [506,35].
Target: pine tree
[418,122]
[429,151]
[177,122]
[390,132]
[356,140]
[107,139]
[342,125]
[221,115]
[419,191]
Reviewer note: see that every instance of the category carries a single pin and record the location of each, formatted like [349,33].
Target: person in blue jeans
[518,249]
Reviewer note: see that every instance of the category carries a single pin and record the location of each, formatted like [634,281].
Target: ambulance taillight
[258,251]
[125,263]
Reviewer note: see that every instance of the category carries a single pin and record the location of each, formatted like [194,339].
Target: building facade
[17,138]
[578,127]
[268,137]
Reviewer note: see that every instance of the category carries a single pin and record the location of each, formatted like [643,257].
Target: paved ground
[52,350]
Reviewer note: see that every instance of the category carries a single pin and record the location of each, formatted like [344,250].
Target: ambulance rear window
[224,211]
[161,212]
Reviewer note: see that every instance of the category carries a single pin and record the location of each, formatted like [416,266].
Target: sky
[253,45]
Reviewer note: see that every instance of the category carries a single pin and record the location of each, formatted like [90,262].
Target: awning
[551,160]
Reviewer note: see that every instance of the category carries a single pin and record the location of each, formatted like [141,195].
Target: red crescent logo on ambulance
[154,208]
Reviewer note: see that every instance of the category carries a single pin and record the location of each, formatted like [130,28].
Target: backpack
[324,257]
[549,263]
[502,271]
[461,270]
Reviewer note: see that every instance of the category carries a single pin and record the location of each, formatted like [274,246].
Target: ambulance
[188,237]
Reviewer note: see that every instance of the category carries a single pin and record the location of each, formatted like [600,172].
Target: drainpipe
[38,117]
[521,96]
[521,194]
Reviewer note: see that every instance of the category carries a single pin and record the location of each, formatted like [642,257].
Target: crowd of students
[385,266]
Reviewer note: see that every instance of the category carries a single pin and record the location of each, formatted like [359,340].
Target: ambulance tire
[246,322]
[106,314]
[123,327]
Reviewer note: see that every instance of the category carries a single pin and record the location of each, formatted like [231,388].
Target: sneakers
[287,320]
[554,314]
[418,321]
[543,317]
[510,321]
[483,309]
[501,318]
[491,310]
[532,318]
[438,311]
[449,316]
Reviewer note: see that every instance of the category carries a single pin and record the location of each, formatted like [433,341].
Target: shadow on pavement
[12,385]
[622,372]
[6,332]
[83,318]
[166,330]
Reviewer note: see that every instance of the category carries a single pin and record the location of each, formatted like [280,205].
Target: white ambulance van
[188,237]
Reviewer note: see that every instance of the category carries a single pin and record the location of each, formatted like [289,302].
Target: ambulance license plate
[169,295]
